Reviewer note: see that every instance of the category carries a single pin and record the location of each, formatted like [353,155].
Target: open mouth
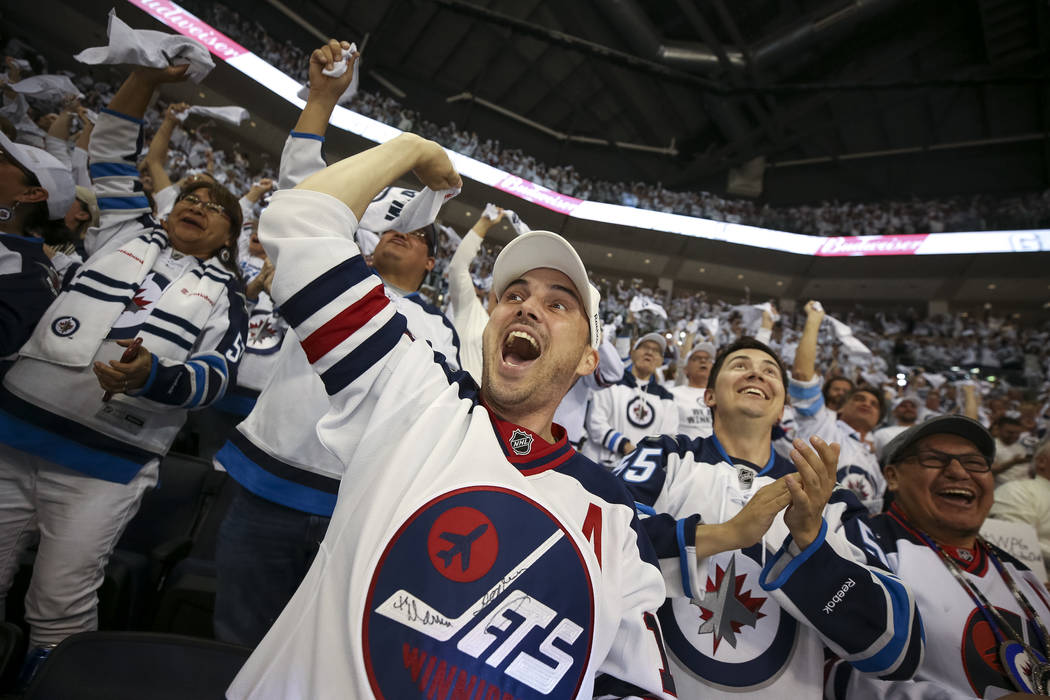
[753,391]
[520,348]
[957,496]
[191,221]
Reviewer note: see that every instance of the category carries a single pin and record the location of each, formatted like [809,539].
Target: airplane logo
[461,545]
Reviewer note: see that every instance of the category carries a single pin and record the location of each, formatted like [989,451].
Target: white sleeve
[79,164]
[353,336]
[300,158]
[460,286]
[599,422]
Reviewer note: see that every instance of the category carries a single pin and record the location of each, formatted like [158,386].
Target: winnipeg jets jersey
[627,411]
[859,469]
[962,659]
[694,416]
[755,621]
[465,556]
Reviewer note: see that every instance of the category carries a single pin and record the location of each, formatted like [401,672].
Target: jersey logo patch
[727,611]
[640,412]
[521,442]
[733,637]
[980,651]
[463,544]
[65,326]
[502,605]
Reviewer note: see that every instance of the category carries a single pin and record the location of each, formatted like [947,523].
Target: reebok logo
[839,596]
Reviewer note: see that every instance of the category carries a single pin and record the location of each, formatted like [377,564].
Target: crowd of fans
[979,213]
[189,324]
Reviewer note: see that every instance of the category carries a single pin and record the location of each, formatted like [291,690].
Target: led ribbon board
[285,86]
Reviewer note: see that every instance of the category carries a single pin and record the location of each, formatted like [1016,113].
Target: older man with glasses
[985,614]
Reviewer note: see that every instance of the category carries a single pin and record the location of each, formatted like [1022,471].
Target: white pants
[77,520]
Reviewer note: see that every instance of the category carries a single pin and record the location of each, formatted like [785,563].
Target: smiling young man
[760,575]
[636,406]
[472,552]
[860,412]
[940,474]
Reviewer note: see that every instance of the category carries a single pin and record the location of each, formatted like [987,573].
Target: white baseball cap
[49,171]
[653,337]
[537,249]
[709,348]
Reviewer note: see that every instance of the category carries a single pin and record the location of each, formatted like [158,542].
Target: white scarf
[74,326]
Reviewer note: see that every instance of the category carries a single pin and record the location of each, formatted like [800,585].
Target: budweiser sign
[538,194]
[907,244]
[188,25]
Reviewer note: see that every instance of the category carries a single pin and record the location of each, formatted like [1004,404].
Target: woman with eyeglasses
[151,325]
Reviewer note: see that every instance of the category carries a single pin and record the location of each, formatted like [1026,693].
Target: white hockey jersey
[465,555]
[962,659]
[859,469]
[756,621]
[627,411]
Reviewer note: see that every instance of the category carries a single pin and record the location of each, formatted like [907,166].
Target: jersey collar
[733,462]
[529,452]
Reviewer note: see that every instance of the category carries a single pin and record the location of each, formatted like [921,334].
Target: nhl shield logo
[520,442]
[65,326]
[746,476]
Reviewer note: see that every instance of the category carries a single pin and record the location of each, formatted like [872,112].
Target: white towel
[454,238]
[337,71]
[399,209]
[233,115]
[47,86]
[711,324]
[144,47]
[509,215]
[845,335]
[643,303]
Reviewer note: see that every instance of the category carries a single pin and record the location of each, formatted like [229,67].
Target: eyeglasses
[934,459]
[212,207]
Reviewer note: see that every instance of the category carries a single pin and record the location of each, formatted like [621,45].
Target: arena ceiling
[866,99]
[1006,281]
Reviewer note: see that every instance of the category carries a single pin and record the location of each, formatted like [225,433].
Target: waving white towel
[233,115]
[44,86]
[399,209]
[144,47]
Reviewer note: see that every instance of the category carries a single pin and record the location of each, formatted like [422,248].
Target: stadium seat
[12,649]
[187,600]
[136,665]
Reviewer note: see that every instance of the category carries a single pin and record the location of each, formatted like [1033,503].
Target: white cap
[537,249]
[654,337]
[49,171]
[709,348]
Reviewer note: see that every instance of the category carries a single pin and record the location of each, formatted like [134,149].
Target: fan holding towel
[151,325]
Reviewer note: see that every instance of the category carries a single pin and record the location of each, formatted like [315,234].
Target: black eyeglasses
[935,459]
[213,207]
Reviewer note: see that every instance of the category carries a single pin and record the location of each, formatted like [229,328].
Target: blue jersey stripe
[176,321]
[363,357]
[324,289]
